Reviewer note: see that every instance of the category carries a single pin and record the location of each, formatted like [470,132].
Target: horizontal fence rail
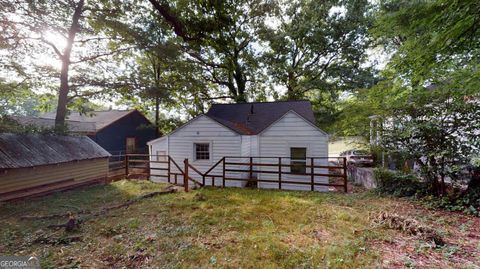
[331,168]
[281,172]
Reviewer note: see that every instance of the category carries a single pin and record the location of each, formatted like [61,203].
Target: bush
[398,184]
[467,202]
[407,185]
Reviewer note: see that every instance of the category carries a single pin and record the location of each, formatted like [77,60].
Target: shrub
[398,184]
[455,199]
[467,202]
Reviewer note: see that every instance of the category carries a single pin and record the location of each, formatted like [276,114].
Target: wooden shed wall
[50,177]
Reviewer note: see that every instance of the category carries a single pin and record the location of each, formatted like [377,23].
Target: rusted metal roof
[253,118]
[29,150]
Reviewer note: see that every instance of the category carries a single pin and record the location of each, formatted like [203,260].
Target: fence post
[149,173]
[279,173]
[185,175]
[168,171]
[345,174]
[312,175]
[223,183]
[250,174]
[126,166]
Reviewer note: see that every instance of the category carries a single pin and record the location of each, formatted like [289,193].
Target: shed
[32,164]
[117,131]
[266,130]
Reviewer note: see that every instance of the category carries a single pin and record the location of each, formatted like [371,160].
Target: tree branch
[170,18]
[93,57]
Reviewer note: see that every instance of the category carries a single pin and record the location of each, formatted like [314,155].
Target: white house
[266,130]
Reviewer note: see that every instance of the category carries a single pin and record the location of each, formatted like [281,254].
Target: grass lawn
[233,228]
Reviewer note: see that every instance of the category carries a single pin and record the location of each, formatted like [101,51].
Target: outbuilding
[117,131]
[32,164]
[267,131]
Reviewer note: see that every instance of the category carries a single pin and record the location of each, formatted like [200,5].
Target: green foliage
[318,46]
[398,184]
[475,162]
[378,154]
[19,99]
[427,102]
[467,202]
[407,185]
[428,36]
[61,47]
[219,38]
[7,125]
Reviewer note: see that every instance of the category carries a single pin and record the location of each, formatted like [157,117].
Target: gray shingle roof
[74,126]
[28,150]
[239,117]
[100,119]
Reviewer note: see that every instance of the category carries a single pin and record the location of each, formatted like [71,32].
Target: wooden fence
[316,169]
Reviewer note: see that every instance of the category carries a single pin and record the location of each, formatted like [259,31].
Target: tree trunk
[239,77]
[291,87]
[474,184]
[158,74]
[64,88]
[157,115]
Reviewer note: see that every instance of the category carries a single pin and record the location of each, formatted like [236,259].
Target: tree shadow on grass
[88,198]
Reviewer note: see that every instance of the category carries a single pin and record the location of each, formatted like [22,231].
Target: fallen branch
[53,216]
[103,210]
[71,206]
[69,226]
[410,226]
[130,202]
[74,223]
[57,240]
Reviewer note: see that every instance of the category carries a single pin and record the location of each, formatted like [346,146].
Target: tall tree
[219,36]
[318,46]
[69,32]
[161,77]
[430,39]
[430,104]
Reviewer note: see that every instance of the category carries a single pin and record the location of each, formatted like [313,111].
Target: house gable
[292,124]
[253,118]
[202,126]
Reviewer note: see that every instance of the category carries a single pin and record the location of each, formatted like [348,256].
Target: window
[298,160]
[202,151]
[161,155]
[131,144]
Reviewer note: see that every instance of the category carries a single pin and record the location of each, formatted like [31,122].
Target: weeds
[215,228]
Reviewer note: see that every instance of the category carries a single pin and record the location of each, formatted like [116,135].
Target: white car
[358,157]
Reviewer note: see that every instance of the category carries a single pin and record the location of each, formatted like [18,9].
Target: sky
[376,57]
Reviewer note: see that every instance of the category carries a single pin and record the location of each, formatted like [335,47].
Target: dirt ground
[232,228]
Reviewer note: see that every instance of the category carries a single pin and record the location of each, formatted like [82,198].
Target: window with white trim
[202,151]
[298,160]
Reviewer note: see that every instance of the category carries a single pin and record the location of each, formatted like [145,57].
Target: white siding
[254,150]
[223,142]
[246,145]
[289,131]
[158,146]
[293,131]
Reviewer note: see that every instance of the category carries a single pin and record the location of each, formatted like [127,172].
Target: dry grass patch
[232,228]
